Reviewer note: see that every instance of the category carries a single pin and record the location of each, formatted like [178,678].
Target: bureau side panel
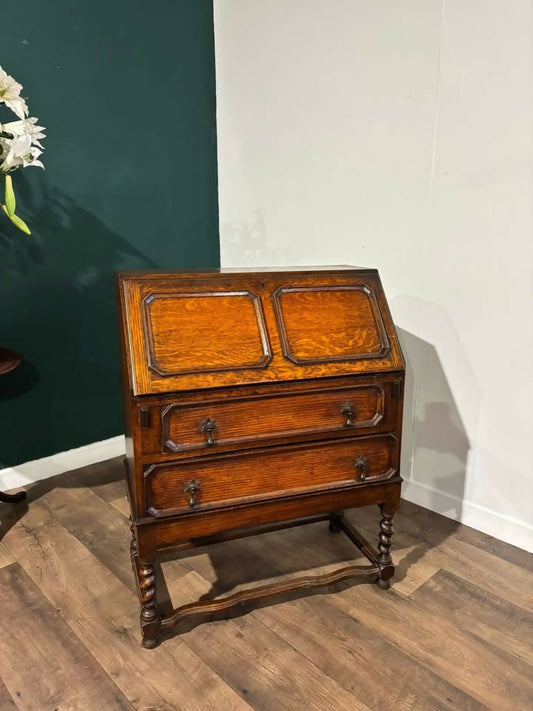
[132,432]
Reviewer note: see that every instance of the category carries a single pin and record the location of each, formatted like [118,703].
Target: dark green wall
[126,90]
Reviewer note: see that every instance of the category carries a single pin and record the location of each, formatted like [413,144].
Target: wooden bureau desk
[256,400]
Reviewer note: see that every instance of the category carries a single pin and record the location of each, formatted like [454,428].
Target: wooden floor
[454,632]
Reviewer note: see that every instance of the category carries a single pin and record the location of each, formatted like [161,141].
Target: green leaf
[10,197]
[22,226]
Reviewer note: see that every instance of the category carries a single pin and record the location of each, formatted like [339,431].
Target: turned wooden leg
[150,618]
[384,545]
[133,542]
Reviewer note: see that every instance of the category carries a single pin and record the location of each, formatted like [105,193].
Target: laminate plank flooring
[6,700]
[454,632]
[485,615]
[46,666]
[435,645]
[5,556]
[492,573]
[104,615]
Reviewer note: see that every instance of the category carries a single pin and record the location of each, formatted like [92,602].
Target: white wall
[399,135]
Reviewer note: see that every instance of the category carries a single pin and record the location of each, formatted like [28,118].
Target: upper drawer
[188,331]
[252,420]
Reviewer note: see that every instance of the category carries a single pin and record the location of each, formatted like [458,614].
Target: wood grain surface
[243,420]
[272,330]
[46,665]
[243,476]
[454,632]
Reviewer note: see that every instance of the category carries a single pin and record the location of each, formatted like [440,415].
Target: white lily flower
[18,152]
[10,94]
[19,143]
[31,158]
[25,127]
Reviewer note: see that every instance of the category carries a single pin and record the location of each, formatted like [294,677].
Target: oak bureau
[255,400]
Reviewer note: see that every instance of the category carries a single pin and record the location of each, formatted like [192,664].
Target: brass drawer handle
[209,426]
[191,487]
[348,410]
[361,464]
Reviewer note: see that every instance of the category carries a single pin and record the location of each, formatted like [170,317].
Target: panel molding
[188,468]
[167,443]
[155,367]
[284,339]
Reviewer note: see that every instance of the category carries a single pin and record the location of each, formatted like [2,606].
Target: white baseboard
[505,528]
[29,472]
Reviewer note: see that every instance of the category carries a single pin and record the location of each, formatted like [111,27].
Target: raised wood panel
[183,332]
[289,470]
[193,332]
[237,422]
[320,324]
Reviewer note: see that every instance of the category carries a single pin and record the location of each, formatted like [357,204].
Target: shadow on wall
[246,243]
[57,288]
[435,443]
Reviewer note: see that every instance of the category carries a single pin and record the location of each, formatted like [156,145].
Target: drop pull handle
[191,487]
[348,410]
[361,464]
[209,426]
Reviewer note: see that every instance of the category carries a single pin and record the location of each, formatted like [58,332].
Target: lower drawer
[215,482]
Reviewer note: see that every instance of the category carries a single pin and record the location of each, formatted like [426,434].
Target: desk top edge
[214,272]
